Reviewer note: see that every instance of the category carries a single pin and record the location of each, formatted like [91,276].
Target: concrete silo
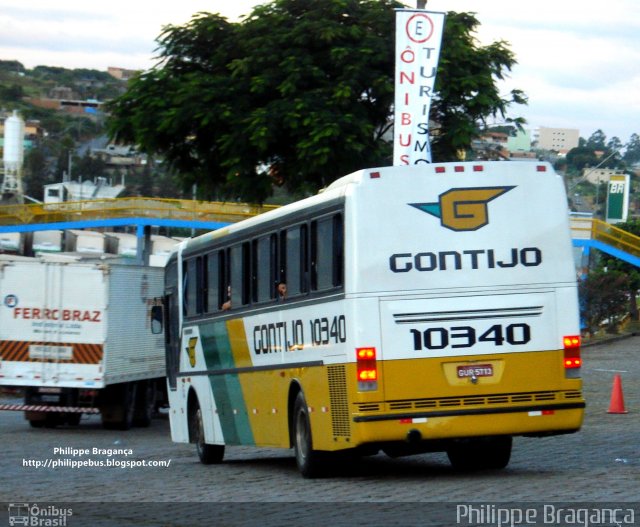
[13,158]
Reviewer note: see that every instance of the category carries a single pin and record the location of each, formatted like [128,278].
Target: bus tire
[486,453]
[208,454]
[308,460]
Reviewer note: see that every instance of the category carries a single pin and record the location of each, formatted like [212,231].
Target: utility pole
[421,4]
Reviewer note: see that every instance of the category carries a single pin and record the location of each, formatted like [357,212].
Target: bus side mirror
[156,320]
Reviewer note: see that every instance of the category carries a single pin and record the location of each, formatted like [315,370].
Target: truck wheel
[208,454]
[487,453]
[118,407]
[308,460]
[53,419]
[73,419]
[128,402]
[145,403]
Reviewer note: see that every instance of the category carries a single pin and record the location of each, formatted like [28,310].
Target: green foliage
[17,82]
[632,152]
[11,93]
[582,157]
[603,299]
[297,94]
[12,66]
[596,151]
[631,272]
[597,141]
[35,174]
[146,181]
[89,168]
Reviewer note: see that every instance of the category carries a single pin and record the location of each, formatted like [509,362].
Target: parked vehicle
[76,336]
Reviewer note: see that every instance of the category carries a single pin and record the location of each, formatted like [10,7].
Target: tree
[297,94]
[631,272]
[597,141]
[88,167]
[596,152]
[581,157]
[632,152]
[146,182]
[13,93]
[603,296]
[35,174]
[614,144]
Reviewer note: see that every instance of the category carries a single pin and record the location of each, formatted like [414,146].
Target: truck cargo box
[76,324]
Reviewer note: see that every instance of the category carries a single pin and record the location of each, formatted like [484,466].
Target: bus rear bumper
[530,420]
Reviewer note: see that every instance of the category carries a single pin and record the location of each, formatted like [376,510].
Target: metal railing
[205,211]
[594,229]
[586,228]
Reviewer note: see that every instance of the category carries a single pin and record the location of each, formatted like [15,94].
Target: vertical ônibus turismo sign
[617,198]
[418,42]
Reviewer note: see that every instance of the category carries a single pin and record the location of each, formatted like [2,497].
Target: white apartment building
[559,139]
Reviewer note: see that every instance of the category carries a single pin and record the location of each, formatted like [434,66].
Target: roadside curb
[608,340]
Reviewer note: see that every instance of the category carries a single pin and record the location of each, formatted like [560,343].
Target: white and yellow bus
[428,308]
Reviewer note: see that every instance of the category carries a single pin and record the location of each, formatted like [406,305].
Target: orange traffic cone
[617,399]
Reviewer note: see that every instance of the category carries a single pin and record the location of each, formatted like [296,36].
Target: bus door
[172,336]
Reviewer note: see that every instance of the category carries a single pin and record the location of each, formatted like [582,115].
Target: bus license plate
[475,370]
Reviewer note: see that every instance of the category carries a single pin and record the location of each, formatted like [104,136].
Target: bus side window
[338,251]
[213,282]
[296,260]
[201,284]
[185,288]
[246,273]
[240,278]
[304,259]
[275,270]
[191,297]
[224,257]
[261,269]
[282,261]
[326,253]
[322,254]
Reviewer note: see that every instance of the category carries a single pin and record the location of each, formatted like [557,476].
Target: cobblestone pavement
[599,465]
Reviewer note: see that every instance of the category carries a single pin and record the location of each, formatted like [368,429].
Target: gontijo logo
[463,209]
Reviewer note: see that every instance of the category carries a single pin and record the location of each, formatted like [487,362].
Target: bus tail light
[367,369]
[572,359]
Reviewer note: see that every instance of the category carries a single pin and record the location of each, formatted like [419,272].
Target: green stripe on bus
[227,391]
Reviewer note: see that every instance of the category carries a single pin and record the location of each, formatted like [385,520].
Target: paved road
[596,467]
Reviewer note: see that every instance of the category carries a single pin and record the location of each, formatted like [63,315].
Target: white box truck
[82,241]
[77,337]
[122,243]
[47,242]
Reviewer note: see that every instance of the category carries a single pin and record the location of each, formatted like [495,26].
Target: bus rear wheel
[208,454]
[308,460]
[485,453]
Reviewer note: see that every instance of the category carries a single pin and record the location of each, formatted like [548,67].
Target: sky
[578,62]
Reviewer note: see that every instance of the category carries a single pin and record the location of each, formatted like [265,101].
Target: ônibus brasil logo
[463,209]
